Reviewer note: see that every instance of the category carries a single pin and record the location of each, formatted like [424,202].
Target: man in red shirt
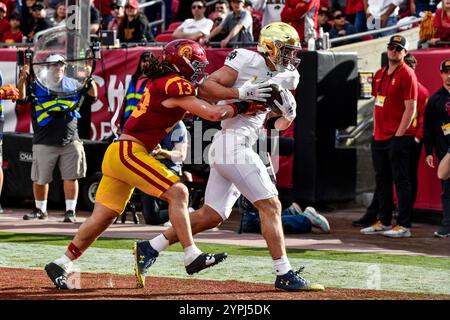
[395,91]
[371,214]
[302,15]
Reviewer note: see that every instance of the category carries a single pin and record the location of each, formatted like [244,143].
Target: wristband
[240,107]
[270,123]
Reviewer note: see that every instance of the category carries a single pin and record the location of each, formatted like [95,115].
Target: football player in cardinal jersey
[168,94]
[235,167]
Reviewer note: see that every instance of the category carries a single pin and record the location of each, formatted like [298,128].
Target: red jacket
[302,15]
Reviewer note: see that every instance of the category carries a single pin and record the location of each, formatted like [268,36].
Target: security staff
[437,137]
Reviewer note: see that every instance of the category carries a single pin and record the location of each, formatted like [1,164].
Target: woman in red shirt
[442,23]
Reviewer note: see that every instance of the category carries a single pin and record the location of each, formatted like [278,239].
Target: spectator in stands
[4,24]
[134,27]
[39,22]
[55,138]
[238,25]
[113,21]
[341,27]
[382,14]
[10,7]
[302,15]
[293,219]
[322,19]
[271,10]
[13,35]
[441,23]
[221,9]
[59,17]
[198,28]
[27,16]
[424,5]
[395,90]
[95,18]
[356,14]
[437,136]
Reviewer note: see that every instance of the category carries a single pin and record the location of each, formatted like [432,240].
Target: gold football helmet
[280,43]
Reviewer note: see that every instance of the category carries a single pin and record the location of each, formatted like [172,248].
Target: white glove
[254,91]
[289,106]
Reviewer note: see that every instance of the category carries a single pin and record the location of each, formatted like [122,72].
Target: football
[274,96]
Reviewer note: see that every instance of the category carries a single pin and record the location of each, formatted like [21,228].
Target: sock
[159,243]
[191,253]
[65,263]
[282,265]
[71,205]
[41,205]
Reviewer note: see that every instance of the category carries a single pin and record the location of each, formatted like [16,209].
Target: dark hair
[15,16]
[139,71]
[225,2]
[157,67]
[202,1]
[59,4]
[410,60]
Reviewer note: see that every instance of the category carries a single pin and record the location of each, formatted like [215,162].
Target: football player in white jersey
[235,167]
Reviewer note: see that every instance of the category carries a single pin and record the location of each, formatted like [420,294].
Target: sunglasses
[197,7]
[396,48]
[339,16]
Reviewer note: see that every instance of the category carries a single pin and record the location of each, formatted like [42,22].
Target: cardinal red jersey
[151,121]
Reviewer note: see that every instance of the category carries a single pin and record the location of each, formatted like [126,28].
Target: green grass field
[331,268]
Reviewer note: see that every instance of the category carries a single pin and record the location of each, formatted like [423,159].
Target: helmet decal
[185,51]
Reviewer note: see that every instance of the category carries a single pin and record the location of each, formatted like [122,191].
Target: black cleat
[36,214]
[443,232]
[144,257]
[58,275]
[205,260]
[69,216]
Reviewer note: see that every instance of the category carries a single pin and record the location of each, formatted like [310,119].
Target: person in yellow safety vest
[135,88]
[55,138]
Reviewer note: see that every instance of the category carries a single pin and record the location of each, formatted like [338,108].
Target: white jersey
[252,65]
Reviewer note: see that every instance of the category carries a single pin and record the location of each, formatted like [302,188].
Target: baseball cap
[38,5]
[56,58]
[3,7]
[115,4]
[133,4]
[399,40]
[445,65]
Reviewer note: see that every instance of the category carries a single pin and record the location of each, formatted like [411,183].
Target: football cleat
[293,282]
[205,260]
[58,275]
[144,257]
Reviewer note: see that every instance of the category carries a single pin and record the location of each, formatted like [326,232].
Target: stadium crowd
[225,23]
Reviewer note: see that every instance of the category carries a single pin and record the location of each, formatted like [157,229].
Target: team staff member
[127,163]
[437,137]
[395,91]
[371,215]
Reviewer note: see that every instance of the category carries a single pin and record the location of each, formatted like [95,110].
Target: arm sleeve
[428,128]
